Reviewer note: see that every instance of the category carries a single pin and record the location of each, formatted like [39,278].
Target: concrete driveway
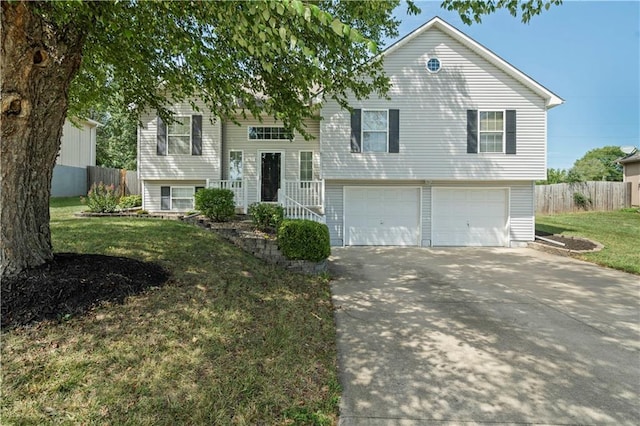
[479,336]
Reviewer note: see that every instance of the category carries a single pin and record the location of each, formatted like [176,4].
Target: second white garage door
[382,216]
[469,217]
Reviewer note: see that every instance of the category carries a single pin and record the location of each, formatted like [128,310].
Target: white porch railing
[238,187]
[295,210]
[301,199]
[306,193]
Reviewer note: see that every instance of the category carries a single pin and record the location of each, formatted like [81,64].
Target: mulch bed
[71,284]
[569,243]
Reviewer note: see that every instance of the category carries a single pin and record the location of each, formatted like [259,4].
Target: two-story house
[449,160]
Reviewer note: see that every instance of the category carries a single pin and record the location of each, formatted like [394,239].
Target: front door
[270,176]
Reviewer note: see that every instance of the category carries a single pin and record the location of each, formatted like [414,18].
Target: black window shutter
[165,198]
[472,131]
[510,127]
[356,130]
[196,135]
[161,139]
[394,130]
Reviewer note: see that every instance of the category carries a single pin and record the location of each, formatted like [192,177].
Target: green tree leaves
[270,57]
[473,10]
[598,164]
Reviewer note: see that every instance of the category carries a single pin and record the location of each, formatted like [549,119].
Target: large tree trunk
[38,62]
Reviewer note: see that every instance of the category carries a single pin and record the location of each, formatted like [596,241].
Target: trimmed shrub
[216,204]
[581,200]
[101,198]
[304,240]
[130,201]
[266,216]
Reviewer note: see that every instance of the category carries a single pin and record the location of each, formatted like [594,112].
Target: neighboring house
[449,160]
[77,151]
[631,173]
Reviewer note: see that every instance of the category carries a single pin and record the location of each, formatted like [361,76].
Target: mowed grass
[228,340]
[618,231]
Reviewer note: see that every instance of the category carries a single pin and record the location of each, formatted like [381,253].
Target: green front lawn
[228,340]
[618,231]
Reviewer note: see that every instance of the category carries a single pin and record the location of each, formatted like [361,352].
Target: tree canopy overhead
[231,53]
[68,56]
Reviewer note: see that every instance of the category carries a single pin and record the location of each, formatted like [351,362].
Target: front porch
[300,199]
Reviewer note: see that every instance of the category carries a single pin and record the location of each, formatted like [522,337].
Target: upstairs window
[375,130]
[183,137]
[491,131]
[263,133]
[179,136]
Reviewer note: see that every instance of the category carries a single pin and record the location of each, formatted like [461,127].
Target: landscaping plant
[265,216]
[101,198]
[130,201]
[304,240]
[216,204]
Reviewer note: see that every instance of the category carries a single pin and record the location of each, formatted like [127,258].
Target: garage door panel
[469,217]
[382,216]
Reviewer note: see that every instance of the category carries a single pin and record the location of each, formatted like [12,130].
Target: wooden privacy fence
[126,181]
[581,196]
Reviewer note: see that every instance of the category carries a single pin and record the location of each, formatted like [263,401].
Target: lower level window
[178,197]
[182,198]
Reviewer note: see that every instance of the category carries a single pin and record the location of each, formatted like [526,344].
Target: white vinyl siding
[78,145]
[235,139]
[433,108]
[179,167]
[334,212]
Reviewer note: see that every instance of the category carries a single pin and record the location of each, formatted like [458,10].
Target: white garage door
[382,216]
[469,217]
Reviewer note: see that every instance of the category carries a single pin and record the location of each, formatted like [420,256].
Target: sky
[586,52]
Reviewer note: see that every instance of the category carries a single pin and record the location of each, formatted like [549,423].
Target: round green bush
[216,204]
[304,240]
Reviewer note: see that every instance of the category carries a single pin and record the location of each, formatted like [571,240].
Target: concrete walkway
[484,336]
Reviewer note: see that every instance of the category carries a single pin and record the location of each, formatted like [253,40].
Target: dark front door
[270,173]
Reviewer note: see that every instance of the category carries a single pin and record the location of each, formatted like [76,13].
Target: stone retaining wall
[261,247]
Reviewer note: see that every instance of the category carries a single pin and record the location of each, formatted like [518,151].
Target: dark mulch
[71,284]
[570,243]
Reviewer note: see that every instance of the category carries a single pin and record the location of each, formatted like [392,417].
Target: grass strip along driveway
[618,231]
[227,340]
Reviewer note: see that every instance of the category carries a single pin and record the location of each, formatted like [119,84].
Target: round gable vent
[433,65]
